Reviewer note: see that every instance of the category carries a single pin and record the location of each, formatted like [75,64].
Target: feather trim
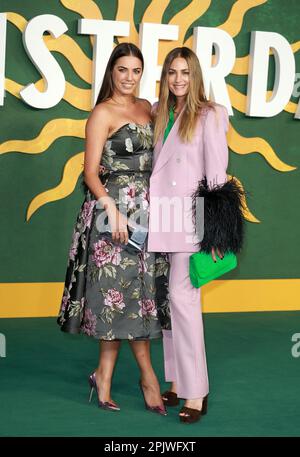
[223,216]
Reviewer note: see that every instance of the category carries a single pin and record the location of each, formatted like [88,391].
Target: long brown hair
[121,50]
[195,100]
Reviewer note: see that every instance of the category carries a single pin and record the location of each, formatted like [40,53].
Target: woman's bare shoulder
[100,115]
[101,112]
[101,109]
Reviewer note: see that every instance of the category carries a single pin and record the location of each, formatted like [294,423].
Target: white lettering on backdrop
[205,39]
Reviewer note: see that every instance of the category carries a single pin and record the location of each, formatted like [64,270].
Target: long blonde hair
[195,100]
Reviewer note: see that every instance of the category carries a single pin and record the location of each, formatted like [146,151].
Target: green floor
[254,382]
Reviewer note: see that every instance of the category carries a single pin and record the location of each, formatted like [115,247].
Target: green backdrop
[36,251]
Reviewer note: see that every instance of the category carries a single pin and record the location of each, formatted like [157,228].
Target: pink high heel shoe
[155,409]
[102,404]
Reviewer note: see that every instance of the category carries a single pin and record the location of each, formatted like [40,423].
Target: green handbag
[203,268]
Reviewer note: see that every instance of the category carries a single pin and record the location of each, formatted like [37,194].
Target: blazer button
[173,183]
[178,160]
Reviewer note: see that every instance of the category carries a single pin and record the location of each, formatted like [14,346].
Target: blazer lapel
[165,151]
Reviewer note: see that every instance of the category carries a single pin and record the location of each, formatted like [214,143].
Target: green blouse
[170,123]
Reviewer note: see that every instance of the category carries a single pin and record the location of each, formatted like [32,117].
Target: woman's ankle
[148,377]
[103,376]
[173,387]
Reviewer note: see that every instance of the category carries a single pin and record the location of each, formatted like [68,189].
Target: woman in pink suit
[190,158]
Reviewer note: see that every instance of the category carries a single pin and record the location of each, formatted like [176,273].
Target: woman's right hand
[118,224]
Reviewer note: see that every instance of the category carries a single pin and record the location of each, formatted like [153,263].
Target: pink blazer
[177,168]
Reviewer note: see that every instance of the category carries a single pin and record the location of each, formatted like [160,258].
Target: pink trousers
[184,347]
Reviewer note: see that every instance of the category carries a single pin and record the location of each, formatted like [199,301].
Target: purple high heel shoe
[155,409]
[102,404]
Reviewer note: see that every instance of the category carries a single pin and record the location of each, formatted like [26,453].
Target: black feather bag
[223,216]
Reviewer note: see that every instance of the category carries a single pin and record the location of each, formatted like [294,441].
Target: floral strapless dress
[111,293]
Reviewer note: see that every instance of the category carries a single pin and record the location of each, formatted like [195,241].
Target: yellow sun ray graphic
[291,107]
[76,96]
[185,18]
[242,145]
[81,98]
[233,24]
[53,130]
[241,66]
[12,87]
[155,11]
[125,12]
[17,20]
[246,212]
[72,170]
[86,8]
[295,46]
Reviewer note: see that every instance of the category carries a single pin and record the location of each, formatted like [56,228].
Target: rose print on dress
[87,214]
[147,311]
[128,197]
[145,161]
[74,245]
[106,252]
[107,155]
[143,264]
[114,299]
[84,222]
[89,323]
[113,303]
[105,255]
[145,199]
[144,134]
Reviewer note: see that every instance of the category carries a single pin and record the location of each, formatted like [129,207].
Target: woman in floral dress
[111,289]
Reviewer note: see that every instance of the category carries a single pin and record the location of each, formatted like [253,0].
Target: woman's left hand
[213,254]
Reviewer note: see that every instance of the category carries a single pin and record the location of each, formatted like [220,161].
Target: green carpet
[254,382]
